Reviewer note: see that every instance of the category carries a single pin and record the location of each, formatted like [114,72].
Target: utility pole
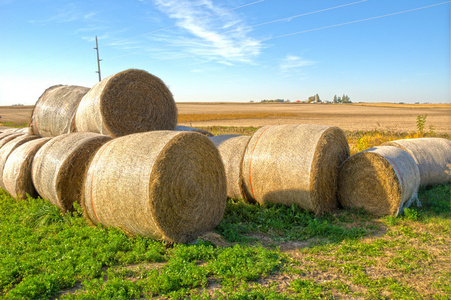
[98,60]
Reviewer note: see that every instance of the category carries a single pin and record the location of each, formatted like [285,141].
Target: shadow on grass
[291,227]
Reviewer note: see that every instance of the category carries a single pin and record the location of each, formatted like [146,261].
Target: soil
[399,118]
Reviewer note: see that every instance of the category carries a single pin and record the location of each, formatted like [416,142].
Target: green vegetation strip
[272,252]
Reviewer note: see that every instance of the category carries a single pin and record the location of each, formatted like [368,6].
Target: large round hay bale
[8,135]
[163,184]
[59,166]
[186,128]
[55,109]
[6,150]
[381,180]
[232,147]
[432,155]
[128,102]
[25,130]
[17,170]
[294,164]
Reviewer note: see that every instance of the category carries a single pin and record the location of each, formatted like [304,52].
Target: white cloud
[64,14]
[294,63]
[204,21]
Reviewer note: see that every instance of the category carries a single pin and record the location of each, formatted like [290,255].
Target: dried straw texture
[25,130]
[6,137]
[381,180]
[294,164]
[54,111]
[186,128]
[8,133]
[59,166]
[163,184]
[6,150]
[17,171]
[128,102]
[232,147]
[432,156]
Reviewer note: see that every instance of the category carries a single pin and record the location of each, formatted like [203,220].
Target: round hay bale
[186,128]
[59,166]
[294,164]
[17,170]
[54,112]
[381,180]
[9,133]
[6,150]
[25,130]
[432,155]
[5,138]
[163,184]
[232,147]
[128,102]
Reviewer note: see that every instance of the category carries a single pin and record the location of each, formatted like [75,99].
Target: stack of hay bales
[17,170]
[164,184]
[54,112]
[294,164]
[59,166]
[381,180]
[125,103]
[7,149]
[432,155]
[231,148]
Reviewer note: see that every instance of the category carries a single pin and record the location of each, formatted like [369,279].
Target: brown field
[400,118]
[352,117]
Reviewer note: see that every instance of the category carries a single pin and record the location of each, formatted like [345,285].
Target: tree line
[344,99]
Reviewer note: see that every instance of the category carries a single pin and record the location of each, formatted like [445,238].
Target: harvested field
[360,116]
[346,116]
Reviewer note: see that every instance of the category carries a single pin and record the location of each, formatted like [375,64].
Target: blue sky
[232,50]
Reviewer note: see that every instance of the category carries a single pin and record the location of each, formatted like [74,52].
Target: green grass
[46,254]
[13,124]
[260,252]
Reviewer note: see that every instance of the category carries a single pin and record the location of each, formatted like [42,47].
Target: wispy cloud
[65,14]
[205,38]
[294,64]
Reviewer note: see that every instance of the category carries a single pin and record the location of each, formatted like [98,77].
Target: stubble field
[350,117]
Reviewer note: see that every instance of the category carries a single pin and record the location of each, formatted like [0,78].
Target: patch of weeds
[239,263]
[283,222]
[115,287]
[309,289]
[244,292]
[43,286]
[339,286]
[409,260]
[435,202]
[176,275]
[443,284]
[410,214]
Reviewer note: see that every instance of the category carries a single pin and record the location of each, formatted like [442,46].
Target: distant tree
[346,99]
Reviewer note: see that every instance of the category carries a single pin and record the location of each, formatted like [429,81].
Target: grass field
[271,252]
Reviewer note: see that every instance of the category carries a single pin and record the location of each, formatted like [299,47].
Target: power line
[243,28]
[201,18]
[305,31]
